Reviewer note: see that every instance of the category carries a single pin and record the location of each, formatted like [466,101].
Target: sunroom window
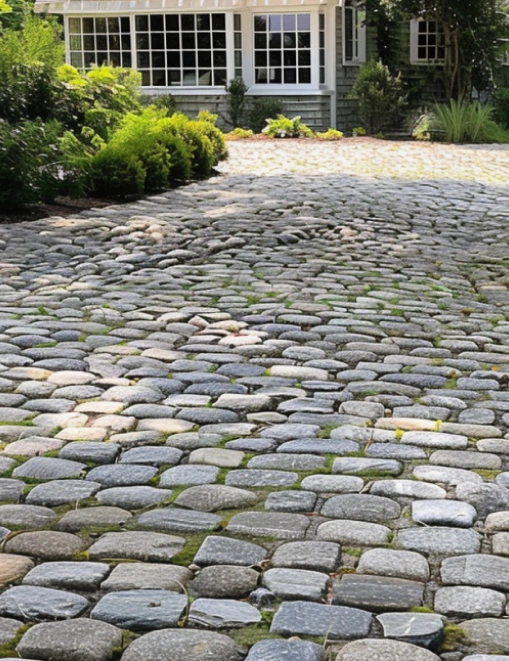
[181,49]
[427,42]
[282,49]
[101,40]
[354,32]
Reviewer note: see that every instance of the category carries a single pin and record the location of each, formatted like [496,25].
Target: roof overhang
[150,6]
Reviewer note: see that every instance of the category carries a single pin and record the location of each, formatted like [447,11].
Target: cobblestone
[250,387]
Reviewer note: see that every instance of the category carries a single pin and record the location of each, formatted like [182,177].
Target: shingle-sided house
[304,52]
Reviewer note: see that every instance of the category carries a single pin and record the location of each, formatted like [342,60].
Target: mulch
[62,206]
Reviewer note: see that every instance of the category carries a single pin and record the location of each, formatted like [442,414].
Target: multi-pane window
[354,32]
[237,44]
[181,49]
[282,48]
[102,40]
[321,25]
[427,41]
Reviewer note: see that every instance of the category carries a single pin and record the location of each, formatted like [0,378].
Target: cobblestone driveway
[271,404]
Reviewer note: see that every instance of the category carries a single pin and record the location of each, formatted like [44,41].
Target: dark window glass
[88,42]
[305,76]
[189,59]
[141,23]
[188,41]
[88,25]
[172,22]
[220,59]
[187,21]
[157,40]
[142,41]
[260,23]
[204,58]
[115,59]
[159,78]
[218,40]
[113,25]
[114,42]
[173,59]
[143,60]
[156,23]
[127,60]
[203,22]
[102,42]
[100,25]
[203,39]
[125,24]
[220,77]
[158,60]
[218,22]
[290,76]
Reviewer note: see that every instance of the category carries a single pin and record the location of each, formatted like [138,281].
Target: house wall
[315,110]
[347,116]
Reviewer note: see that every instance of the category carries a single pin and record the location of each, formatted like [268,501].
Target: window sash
[354,33]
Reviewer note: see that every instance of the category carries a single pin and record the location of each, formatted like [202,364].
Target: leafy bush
[29,162]
[284,127]
[380,96]
[148,153]
[462,121]
[239,134]
[500,101]
[359,131]
[164,102]
[262,108]
[116,171]
[330,134]
[235,101]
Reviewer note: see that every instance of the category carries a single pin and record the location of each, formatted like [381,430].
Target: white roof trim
[128,6]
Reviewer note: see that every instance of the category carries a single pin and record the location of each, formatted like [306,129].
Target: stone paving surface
[263,412]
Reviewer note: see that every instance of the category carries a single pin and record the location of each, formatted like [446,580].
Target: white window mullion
[230,48]
[248,48]
[134,57]
[315,50]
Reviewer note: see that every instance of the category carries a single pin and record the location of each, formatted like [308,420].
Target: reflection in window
[282,49]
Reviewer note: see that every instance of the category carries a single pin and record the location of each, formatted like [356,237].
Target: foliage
[380,96]
[500,101]
[239,134]
[28,163]
[38,40]
[330,134]
[359,131]
[116,171]
[149,153]
[164,102]
[425,126]
[235,101]
[474,37]
[462,121]
[261,108]
[284,127]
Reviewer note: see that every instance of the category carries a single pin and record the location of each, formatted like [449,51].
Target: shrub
[380,96]
[262,108]
[239,134]
[500,101]
[235,101]
[284,127]
[462,121]
[164,102]
[330,134]
[116,171]
[29,162]
[359,131]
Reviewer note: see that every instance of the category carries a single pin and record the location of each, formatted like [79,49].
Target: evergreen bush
[380,96]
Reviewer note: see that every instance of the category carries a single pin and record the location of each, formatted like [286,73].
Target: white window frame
[414,44]
[247,36]
[358,36]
